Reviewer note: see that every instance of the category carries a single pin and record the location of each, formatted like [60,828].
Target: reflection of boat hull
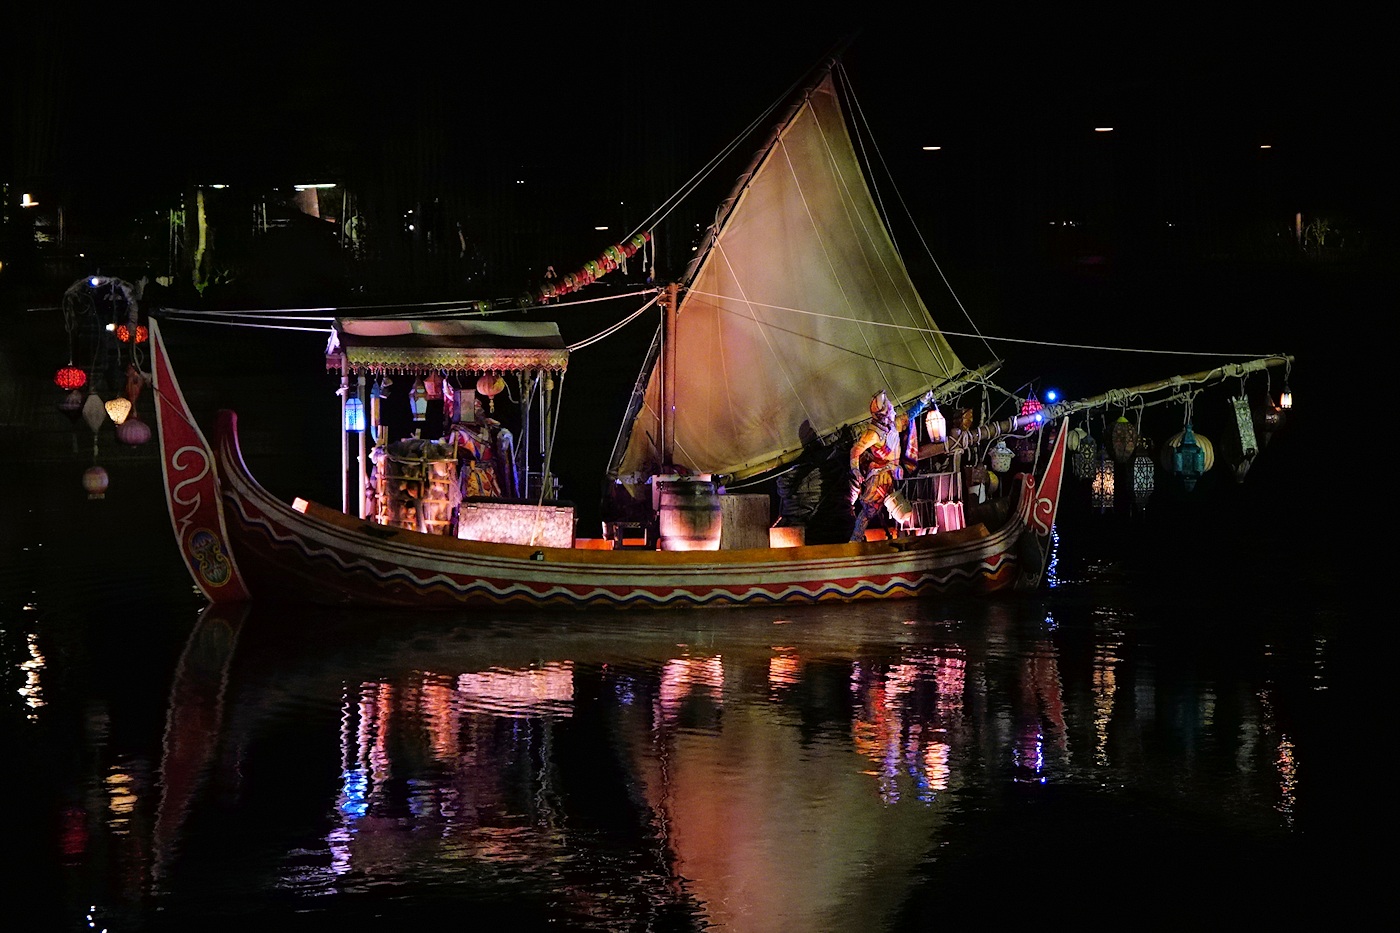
[320,555]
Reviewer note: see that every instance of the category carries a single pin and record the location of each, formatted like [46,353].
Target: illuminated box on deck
[516,523]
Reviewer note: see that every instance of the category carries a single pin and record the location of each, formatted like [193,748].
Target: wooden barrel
[690,516]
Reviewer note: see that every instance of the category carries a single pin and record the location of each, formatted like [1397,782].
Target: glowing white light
[1103,129]
[27,200]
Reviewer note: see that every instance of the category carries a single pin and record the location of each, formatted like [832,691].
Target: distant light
[1266,146]
[319,184]
[1103,129]
[26,200]
[600,228]
[218,186]
[1052,395]
[932,148]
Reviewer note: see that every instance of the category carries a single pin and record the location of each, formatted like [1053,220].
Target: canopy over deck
[360,346]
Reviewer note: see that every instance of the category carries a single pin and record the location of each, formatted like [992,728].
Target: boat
[796,309]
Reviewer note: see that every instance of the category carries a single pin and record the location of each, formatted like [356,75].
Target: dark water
[1166,731]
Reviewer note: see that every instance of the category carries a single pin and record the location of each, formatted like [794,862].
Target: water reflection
[661,771]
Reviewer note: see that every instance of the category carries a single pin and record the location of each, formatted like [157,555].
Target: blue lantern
[1189,459]
[354,414]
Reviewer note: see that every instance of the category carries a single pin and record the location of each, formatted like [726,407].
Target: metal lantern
[1102,491]
[1188,457]
[1144,473]
[354,414]
[418,400]
[1285,400]
[433,382]
[1268,417]
[1000,457]
[95,482]
[936,425]
[1170,450]
[1086,457]
[1123,440]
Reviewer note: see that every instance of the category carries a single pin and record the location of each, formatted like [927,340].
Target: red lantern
[123,333]
[142,334]
[70,377]
[490,385]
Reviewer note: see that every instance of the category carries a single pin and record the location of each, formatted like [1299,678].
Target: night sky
[622,105]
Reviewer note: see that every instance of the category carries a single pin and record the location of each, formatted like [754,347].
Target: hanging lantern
[95,482]
[999,457]
[123,333]
[1102,491]
[433,383]
[133,432]
[1268,417]
[70,377]
[490,385]
[71,405]
[1285,401]
[1123,440]
[1144,473]
[142,333]
[1188,456]
[93,412]
[354,414]
[418,400]
[1031,406]
[936,425]
[1086,457]
[135,382]
[118,409]
[1170,448]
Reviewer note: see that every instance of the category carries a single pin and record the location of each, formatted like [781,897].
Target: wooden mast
[668,377]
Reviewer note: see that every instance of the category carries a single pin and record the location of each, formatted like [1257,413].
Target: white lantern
[936,425]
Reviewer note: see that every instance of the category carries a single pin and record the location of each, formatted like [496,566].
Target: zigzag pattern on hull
[371,582]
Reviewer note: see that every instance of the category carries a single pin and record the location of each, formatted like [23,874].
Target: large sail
[799,310]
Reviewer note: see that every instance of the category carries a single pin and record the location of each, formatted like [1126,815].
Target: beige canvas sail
[799,310]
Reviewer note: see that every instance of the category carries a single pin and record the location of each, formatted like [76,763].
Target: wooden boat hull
[268,550]
[319,555]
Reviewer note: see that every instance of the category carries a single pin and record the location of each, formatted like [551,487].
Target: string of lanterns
[126,333]
[613,257]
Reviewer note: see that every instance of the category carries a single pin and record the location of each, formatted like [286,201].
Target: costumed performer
[878,460]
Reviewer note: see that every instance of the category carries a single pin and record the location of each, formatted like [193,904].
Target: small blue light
[1052,395]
